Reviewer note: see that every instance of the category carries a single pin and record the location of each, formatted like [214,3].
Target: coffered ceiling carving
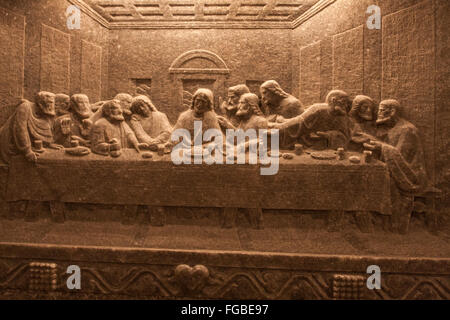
[201,13]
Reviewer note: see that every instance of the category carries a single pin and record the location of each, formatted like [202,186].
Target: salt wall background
[39,52]
[408,59]
[252,57]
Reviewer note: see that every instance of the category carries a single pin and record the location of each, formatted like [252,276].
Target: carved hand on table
[374,145]
[323,135]
[86,127]
[361,138]
[31,156]
[82,141]
[152,144]
[142,146]
[168,145]
[224,122]
[55,146]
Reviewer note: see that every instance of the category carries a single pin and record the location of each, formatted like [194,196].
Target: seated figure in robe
[150,125]
[31,121]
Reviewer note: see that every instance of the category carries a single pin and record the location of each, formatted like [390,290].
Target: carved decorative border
[113,273]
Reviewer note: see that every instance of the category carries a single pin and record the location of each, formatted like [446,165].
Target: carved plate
[324,155]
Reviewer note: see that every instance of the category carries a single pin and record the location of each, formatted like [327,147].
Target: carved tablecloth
[301,183]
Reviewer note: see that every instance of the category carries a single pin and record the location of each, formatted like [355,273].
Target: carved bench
[425,203]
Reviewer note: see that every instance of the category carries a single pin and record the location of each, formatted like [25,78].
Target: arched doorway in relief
[197,69]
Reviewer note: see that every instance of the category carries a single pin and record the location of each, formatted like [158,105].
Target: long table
[301,183]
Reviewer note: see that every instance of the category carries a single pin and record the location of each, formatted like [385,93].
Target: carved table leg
[335,220]
[364,221]
[431,216]
[17,209]
[229,217]
[31,213]
[157,216]
[256,218]
[143,216]
[57,210]
[386,223]
[129,214]
[404,214]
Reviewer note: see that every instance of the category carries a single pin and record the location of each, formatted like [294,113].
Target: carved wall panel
[408,65]
[91,70]
[348,64]
[326,67]
[12,39]
[142,86]
[372,63]
[310,63]
[442,129]
[55,60]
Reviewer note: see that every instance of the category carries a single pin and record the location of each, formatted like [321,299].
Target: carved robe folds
[403,153]
[103,132]
[318,118]
[155,129]
[18,134]
[186,121]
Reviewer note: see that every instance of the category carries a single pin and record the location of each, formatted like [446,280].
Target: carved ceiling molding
[200,25]
[315,9]
[177,64]
[91,12]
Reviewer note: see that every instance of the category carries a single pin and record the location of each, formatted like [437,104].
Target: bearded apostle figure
[30,122]
[110,134]
[399,146]
[75,125]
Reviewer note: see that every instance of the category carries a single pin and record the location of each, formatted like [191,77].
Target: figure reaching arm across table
[327,122]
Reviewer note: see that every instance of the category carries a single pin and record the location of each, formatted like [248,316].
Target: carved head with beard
[46,103]
[125,101]
[339,102]
[112,111]
[388,112]
[363,109]
[234,94]
[62,104]
[248,106]
[202,101]
[80,106]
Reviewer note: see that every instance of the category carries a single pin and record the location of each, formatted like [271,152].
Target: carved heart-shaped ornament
[191,278]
